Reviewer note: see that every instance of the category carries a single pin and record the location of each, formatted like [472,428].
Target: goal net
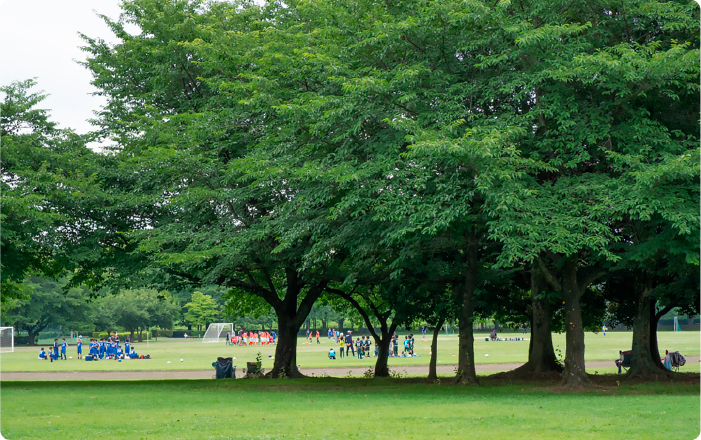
[216,332]
[7,339]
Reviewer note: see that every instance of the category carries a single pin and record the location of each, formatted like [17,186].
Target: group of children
[250,338]
[362,346]
[103,349]
[53,354]
[110,349]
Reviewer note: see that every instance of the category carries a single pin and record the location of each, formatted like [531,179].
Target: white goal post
[7,339]
[216,332]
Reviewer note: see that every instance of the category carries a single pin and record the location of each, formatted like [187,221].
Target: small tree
[202,309]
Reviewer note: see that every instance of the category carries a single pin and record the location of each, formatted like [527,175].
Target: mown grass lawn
[199,356]
[342,409]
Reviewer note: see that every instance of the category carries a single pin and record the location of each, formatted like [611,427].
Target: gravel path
[207,374]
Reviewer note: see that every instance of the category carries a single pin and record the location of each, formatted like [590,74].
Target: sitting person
[133,355]
[42,354]
[332,354]
[53,356]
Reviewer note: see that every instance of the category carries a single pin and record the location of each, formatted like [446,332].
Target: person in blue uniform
[79,348]
[63,350]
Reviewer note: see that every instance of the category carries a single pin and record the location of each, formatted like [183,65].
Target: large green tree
[49,304]
[37,161]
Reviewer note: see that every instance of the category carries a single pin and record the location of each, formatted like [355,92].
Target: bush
[162,333]
[122,335]
[178,333]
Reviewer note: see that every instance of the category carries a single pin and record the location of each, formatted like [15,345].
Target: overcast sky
[39,39]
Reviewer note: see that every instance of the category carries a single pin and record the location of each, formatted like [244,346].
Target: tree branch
[548,274]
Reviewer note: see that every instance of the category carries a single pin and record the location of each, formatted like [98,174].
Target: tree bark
[574,374]
[32,337]
[340,324]
[383,340]
[541,354]
[466,354]
[432,374]
[290,317]
[285,364]
[644,362]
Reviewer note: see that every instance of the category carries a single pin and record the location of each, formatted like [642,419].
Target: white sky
[39,39]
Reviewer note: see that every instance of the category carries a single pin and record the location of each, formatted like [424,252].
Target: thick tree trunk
[643,362]
[541,354]
[32,337]
[381,367]
[432,374]
[574,374]
[285,364]
[340,324]
[466,354]
[290,317]
[131,337]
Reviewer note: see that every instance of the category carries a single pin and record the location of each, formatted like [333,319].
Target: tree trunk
[466,342]
[541,354]
[32,337]
[285,364]
[141,335]
[131,337]
[340,324]
[383,342]
[432,374]
[290,318]
[574,374]
[643,362]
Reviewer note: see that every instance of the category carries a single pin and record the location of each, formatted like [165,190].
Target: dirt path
[207,374]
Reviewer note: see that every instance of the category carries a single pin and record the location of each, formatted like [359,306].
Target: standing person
[127,346]
[307,333]
[395,346]
[368,343]
[103,349]
[63,350]
[56,349]
[228,339]
[359,348]
[317,337]
[603,329]
[274,335]
[423,332]
[79,347]
[341,343]
[411,344]
[349,344]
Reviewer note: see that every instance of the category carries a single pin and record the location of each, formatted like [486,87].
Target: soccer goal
[217,331]
[7,339]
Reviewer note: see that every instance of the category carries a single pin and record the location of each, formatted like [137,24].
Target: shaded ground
[411,370]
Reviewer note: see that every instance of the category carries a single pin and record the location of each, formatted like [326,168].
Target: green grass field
[199,356]
[341,409]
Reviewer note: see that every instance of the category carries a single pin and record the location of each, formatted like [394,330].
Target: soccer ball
[270,355]
[234,357]
[168,362]
[70,357]
[486,355]
[181,360]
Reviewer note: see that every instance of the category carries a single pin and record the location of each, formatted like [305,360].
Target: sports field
[342,409]
[199,356]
